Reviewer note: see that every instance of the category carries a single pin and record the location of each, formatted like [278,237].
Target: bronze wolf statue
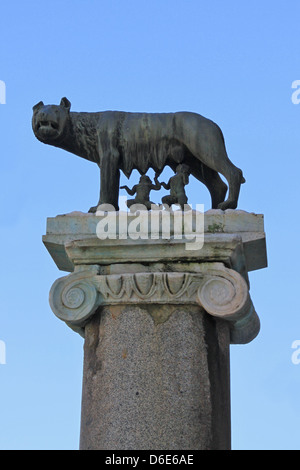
[117,140]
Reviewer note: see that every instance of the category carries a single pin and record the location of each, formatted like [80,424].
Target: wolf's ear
[37,106]
[65,103]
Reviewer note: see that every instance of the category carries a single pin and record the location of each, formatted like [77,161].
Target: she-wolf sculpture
[117,140]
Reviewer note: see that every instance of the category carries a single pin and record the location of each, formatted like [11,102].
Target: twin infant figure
[176,186]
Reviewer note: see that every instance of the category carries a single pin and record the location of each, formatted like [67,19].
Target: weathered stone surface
[234,237]
[222,292]
[148,385]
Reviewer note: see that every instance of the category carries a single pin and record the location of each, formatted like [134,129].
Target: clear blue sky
[233,62]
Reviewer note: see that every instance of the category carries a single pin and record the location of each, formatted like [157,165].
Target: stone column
[158,321]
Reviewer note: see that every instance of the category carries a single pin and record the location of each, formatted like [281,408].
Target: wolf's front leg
[109,181]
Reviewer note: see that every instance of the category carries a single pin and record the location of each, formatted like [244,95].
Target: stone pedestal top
[234,237]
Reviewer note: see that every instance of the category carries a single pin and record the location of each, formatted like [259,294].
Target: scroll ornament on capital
[220,291]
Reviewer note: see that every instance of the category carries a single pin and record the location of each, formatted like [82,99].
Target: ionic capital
[220,291]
